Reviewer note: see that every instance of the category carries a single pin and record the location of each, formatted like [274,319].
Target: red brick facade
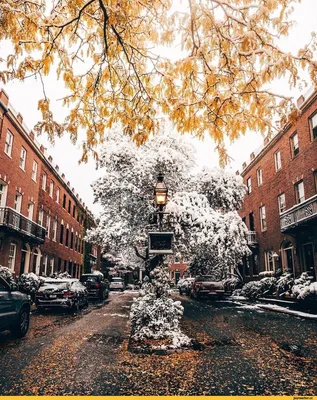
[24,245]
[286,239]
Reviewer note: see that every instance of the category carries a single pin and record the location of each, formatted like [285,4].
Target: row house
[280,207]
[42,220]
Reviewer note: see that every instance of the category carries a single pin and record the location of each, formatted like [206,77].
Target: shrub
[29,283]
[6,274]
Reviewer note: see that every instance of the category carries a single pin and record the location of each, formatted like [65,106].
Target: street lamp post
[160,193]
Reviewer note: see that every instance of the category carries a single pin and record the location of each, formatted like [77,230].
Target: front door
[23,257]
[289,260]
[177,276]
[309,264]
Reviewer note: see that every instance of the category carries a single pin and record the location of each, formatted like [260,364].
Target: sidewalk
[282,306]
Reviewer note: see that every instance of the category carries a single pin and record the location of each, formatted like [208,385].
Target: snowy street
[243,351]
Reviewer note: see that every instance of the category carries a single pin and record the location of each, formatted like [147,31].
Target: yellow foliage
[114,72]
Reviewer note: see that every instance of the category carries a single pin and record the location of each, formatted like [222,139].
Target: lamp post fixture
[160,193]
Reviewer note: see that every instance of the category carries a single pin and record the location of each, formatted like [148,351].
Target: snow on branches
[202,205]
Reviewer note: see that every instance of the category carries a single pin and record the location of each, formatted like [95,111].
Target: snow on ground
[273,307]
[116,315]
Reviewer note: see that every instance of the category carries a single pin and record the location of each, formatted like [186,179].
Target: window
[8,144]
[259,176]
[17,202]
[44,181]
[57,195]
[54,230]
[48,226]
[3,193]
[313,125]
[294,145]
[34,171]
[61,234]
[67,235]
[299,192]
[44,264]
[64,201]
[76,241]
[30,210]
[12,253]
[315,180]
[263,218]
[74,210]
[41,216]
[249,185]
[51,265]
[22,160]
[281,202]
[69,206]
[51,188]
[269,260]
[72,240]
[277,160]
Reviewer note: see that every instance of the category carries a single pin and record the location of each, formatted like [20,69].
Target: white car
[117,284]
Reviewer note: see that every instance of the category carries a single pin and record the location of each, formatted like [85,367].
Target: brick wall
[293,169]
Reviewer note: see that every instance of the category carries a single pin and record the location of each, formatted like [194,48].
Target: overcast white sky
[24,97]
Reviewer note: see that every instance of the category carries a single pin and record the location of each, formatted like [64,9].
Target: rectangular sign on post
[161,242]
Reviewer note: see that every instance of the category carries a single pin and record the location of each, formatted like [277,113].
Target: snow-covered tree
[207,227]
[202,206]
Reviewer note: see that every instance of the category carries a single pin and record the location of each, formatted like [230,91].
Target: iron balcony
[16,222]
[299,214]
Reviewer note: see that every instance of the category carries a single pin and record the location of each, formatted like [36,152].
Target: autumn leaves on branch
[109,53]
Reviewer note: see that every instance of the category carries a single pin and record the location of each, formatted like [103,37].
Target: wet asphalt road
[244,351]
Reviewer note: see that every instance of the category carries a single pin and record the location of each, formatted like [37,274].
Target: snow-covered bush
[269,285]
[154,315]
[29,283]
[284,284]
[232,284]
[304,289]
[6,274]
[253,290]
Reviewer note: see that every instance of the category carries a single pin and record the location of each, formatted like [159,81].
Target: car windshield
[205,278]
[117,280]
[56,285]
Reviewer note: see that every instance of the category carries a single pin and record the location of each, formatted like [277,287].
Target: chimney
[4,97]
[68,183]
[20,118]
[63,176]
[57,167]
[244,165]
[252,156]
[42,149]
[237,172]
[31,134]
[50,159]
[300,101]
[266,141]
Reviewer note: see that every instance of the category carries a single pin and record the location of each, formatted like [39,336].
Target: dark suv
[97,287]
[14,309]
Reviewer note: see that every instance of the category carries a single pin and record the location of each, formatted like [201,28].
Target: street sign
[161,242]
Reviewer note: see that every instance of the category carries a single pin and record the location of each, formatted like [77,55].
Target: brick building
[280,207]
[42,219]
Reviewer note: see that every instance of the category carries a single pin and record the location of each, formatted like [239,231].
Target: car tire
[20,329]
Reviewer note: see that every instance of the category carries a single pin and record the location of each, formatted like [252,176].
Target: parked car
[96,286]
[14,309]
[117,284]
[204,286]
[184,285]
[62,293]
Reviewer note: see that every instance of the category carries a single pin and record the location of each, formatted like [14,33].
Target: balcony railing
[17,222]
[251,237]
[299,214]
